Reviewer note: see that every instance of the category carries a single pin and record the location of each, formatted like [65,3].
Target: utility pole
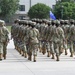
[30,3]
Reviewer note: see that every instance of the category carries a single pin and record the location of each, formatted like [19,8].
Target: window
[21,17]
[22,8]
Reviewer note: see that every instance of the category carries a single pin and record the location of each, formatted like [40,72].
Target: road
[15,64]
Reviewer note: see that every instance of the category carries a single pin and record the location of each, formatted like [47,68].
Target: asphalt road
[15,64]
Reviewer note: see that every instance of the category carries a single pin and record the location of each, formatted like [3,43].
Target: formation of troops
[46,36]
[51,37]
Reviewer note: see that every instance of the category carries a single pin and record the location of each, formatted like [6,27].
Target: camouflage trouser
[4,48]
[22,46]
[1,48]
[72,46]
[14,42]
[65,45]
[44,47]
[58,48]
[33,48]
[25,47]
[28,48]
[40,44]
[51,47]
[48,46]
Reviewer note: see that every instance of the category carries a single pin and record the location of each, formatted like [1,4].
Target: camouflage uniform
[14,30]
[4,38]
[42,35]
[72,38]
[33,41]
[48,37]
[58,40]
[66,32]
[5,43]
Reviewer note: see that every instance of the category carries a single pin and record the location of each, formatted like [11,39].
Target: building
[25,6]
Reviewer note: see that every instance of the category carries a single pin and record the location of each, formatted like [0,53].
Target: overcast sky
[47,2]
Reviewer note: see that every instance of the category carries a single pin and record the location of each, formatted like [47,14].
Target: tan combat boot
[4,55]
[48,54]
[40,49]
[34,58]
[0,57]
[66,52]
[25,54]
[53,56]
[71,54]
[22,52]
[57,56]
[30,57]
[43,51]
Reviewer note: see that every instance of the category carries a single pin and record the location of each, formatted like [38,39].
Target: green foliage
[68,10]
[8,7]
[67,0]
[39,11]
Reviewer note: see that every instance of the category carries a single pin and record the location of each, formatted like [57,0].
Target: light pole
[61,6]
[62,11]
[30,3]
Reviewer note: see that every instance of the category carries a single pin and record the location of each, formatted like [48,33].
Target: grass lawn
[9,28]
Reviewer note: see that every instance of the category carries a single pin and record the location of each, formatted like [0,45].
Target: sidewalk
[15,64]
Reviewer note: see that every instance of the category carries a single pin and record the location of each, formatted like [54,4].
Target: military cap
[62,21]
[49,22]
[25,22]
[16,21]
[29,22]
[44,20]
[53,22]
[2,22]
[34,20]
[58,22]
[20,22]
[66,21]
[71,21]
[37,20]
[33,24]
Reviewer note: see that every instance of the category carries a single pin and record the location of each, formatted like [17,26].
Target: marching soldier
[4,39]
[58,40]
[33,41]
[66,32]
[72,38]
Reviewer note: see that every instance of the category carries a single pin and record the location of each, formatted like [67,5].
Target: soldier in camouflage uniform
[72,37]
[65,28]
[33,41]
[58,40]
[66,32]
[48,37]
[4,39]
[42,35]
[14,30]
[26,39]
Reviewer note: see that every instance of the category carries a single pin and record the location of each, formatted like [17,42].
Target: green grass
[9,28]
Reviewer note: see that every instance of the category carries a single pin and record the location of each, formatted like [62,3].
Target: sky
[47,2]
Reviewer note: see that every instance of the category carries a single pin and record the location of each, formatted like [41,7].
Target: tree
[68,10]
[39,10]
[67,0]
[8,7]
